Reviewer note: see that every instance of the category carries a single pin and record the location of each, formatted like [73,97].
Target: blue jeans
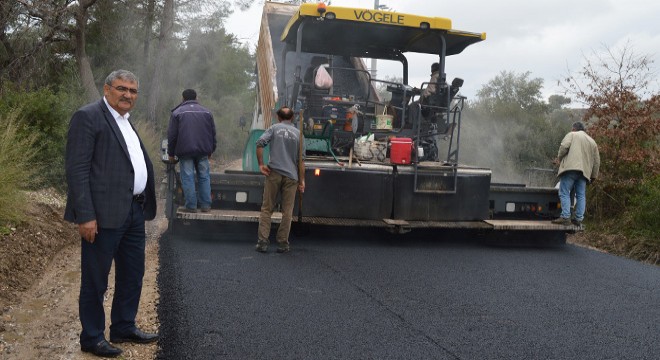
[189,166]
[573,180]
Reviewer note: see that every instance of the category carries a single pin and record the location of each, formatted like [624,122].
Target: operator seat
[439,102]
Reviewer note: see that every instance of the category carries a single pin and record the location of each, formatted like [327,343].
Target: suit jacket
[99,172]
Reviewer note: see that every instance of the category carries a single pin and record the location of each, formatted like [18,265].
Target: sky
[547,39]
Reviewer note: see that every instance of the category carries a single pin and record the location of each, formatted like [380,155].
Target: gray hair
[578,126]
[121,74]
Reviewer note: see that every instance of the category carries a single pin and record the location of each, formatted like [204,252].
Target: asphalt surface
[359,294]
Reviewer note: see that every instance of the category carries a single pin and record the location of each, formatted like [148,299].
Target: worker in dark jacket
[191,138]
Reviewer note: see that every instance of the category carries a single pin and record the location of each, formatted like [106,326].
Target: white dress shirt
[134,150]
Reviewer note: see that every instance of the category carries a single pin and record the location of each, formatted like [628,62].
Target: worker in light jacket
[579,162]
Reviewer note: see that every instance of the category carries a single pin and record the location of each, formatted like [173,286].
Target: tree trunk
[85,71]
[84,66]
[5,61]
[157,75]
[149,23]
[7,11]
[4,41]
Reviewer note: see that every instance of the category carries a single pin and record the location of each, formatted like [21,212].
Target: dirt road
[42,322]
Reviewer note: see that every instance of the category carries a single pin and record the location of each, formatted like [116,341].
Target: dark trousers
[126,246]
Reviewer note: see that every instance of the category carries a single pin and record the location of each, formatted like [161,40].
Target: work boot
[189,210]
[261,247]
[283,248]
[206,209]
[562,221]
[576,222]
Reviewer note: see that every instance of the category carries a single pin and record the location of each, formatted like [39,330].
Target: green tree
[507,128]
[54,57]
[214,63]
[61,22]
[223,74]
[511,95]
[556,102]
[27,49]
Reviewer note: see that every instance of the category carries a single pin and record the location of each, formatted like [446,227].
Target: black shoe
[135,336]
[103,348]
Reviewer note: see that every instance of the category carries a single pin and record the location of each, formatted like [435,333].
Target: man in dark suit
[111,193]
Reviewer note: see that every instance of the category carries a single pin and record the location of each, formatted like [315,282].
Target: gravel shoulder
[40,303]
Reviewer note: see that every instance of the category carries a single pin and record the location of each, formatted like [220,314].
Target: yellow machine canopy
[373,33]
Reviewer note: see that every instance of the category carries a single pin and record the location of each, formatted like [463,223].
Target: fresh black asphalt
[360,294]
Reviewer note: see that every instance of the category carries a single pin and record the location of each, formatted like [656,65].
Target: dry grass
[19,170]
[639,249]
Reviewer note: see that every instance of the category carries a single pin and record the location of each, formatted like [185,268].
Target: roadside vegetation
[622,115]
[612,94]
[47,70]
[18,150]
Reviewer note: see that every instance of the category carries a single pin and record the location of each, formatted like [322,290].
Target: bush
[608,200]
[19,169]
[626,216]
[43,116]
[644,209]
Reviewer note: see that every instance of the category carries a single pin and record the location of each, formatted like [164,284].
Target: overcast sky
[542,37]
